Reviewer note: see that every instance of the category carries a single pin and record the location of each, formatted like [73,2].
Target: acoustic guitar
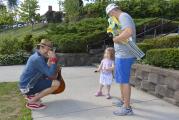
[59,77]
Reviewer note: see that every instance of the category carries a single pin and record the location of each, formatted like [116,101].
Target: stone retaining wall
[163,83]
[78,59]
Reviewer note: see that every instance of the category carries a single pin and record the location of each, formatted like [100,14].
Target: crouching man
[34,82]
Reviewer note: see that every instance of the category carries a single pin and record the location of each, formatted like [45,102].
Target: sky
[54,3]
[45,3]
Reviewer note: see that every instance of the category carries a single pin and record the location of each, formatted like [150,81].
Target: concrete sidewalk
[78,101]
[10,73]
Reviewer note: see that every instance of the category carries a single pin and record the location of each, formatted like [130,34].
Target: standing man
[34,82]
[123,57]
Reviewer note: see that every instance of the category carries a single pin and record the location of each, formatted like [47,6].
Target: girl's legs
[108,92]
[108,89]
[99,92]
[101,88]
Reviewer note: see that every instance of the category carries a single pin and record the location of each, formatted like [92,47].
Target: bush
[95,10]
[14,59]
[165,42]
[167,58]
[74,37]
[145,47]
[27,43]
[9,45]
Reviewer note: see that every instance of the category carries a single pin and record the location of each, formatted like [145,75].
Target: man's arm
[125,34]
[43,67]
[126,26]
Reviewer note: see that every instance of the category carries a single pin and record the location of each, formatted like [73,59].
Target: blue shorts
[41,85]
[122,70]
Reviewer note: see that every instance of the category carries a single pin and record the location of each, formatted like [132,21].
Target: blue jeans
[41,85]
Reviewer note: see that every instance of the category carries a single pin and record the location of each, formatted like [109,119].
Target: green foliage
[5,16]
[167,58]
[165,42]
[145,47]
[28,10]
[22,32]
[9,45]
[74,37]
[72,9]
[27,43]
[137,8]
[14,59]
[95,10]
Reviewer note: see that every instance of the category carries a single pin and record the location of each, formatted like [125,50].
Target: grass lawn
[21,32]
[12,103]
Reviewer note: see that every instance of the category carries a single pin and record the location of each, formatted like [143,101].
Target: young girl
[106,72]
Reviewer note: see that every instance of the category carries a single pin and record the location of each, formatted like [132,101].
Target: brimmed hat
[45,42]
[110,7]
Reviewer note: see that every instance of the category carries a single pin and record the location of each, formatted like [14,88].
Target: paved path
[10,73]
[78,102]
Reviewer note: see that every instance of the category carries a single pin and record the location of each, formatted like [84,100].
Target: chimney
[50,8]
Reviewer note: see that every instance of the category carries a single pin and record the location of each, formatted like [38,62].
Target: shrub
[165,42]
[14,59]
[167,58]
[74,37]
[95,10]
[9,45]
[27,43]
[145,47]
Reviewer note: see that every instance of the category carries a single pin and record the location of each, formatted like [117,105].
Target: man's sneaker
[123,111]
[99,94]
[118,103]
[34,106]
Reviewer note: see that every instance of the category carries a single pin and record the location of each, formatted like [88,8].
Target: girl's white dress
[106,77]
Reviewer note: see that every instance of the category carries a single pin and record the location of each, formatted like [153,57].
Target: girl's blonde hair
[111,52]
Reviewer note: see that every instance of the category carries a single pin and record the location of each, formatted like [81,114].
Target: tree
[28,10]
[12,4]
[5,16]
[73,9]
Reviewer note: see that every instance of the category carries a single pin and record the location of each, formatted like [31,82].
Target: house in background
[53,16]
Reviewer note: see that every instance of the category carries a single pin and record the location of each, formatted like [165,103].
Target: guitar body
[59,77]
[61,88]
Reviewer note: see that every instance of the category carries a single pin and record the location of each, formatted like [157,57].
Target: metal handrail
[154,28]
[170,32]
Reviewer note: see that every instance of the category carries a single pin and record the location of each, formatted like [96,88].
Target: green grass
[12,103]
[21,32]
